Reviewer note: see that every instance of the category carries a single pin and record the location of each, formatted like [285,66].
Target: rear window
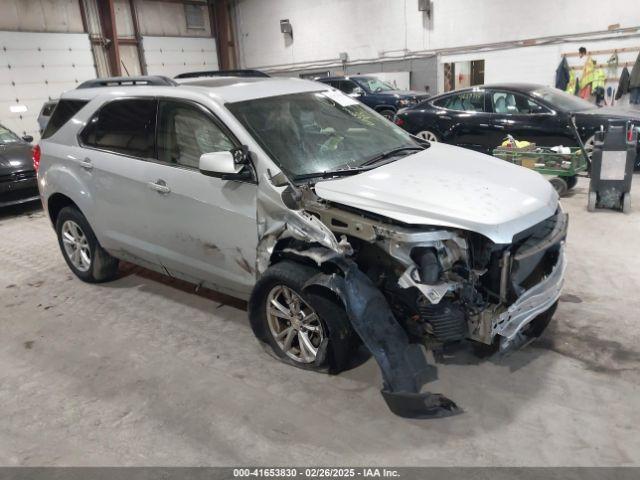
[124,126]
[465,101]
[48,108]
[61,115]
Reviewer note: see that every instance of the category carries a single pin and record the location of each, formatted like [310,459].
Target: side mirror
[357,92]
[27,138]
[218,164]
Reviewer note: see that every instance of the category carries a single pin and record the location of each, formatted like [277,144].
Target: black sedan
[481,117]
[18,183]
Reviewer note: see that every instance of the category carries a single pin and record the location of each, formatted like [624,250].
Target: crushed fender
[403,365]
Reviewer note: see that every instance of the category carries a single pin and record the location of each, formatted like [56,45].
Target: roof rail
[153,80]
[223,73]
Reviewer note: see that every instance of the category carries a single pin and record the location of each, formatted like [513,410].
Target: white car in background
[337,226]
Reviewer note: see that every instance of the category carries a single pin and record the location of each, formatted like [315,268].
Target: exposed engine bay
[441,286]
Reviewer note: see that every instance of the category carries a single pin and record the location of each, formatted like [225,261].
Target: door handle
[499,127]
[86,164]
[159,186]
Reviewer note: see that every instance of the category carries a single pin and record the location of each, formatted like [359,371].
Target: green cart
[563,168]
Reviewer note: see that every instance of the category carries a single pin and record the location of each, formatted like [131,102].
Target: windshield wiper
[389,154]
[330,173]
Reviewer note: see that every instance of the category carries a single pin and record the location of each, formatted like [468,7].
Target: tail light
[35,155]
[630,133]
[398,121]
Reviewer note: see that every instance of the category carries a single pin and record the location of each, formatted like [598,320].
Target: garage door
[36,67]
[173,55]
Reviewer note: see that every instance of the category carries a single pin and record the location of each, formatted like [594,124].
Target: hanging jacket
[571,84]
[612,64]
[562,74]
[599,79]
[634,78]
[623,84]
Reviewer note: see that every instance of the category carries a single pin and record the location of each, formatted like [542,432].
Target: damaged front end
[407,287]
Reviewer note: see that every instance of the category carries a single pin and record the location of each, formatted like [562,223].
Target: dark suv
[373,92]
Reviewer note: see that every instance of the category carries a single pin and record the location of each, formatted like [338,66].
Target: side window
[185,132]
[347,86]
[64,110]
[514,103]
[124,126]
[466,102]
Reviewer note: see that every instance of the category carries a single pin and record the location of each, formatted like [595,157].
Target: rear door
[204,228]
[524,118]
[464,119]
[118,143]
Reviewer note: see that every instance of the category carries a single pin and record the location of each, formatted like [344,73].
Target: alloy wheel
[294,325]
[427,135]
[76,245]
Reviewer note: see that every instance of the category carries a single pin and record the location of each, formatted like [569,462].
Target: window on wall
[195,16]
[463,74]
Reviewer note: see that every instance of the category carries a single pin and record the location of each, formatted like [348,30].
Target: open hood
[451,187]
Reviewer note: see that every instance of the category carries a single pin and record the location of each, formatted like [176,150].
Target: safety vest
[599,78]
[587,73]
[571,86]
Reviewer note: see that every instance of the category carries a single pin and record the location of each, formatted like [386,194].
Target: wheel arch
[56,202]
[379,108]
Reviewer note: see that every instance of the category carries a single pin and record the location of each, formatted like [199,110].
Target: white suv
[337,226]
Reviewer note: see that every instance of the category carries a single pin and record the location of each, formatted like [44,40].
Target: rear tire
[303,349]
[81,250]
[572,181]
[428,135]
[560,185]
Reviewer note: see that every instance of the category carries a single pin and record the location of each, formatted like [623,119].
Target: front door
[525,119]
[204,227]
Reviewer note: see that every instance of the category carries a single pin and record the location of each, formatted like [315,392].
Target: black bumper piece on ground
[403,365]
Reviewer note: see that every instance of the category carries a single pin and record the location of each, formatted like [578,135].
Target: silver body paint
[222,234]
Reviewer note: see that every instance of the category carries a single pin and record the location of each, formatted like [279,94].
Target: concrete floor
[142,372]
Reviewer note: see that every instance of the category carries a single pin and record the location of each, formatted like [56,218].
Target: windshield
[319,132]
[7,136]
[372,84]
[562,100]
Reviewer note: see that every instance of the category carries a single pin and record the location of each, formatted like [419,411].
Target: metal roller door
[36,67]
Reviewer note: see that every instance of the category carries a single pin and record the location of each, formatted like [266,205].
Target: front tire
[81,250]
[305,329]
[387,113]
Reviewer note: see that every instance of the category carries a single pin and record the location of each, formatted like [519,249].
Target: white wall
[538,64]
[373,29]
